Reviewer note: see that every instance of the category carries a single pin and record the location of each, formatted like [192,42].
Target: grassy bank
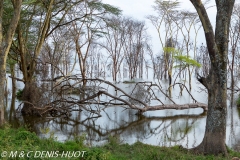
[21,144]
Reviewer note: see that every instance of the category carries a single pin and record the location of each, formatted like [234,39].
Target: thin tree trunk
[12,70]
[12,107]
[232,69]
[114,71]
[2,84]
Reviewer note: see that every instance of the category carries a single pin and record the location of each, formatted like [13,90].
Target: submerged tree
[216,81]
[134,46]
[169,52]
[88,31]
[113,43]
[234,44]
[38,20]
[166,19]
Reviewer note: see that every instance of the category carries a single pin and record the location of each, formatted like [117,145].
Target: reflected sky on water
[164,128]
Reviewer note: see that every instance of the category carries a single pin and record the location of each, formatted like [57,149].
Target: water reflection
[233,125]
[238,111]
[164,128]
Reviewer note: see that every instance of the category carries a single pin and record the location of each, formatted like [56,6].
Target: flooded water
[162,128]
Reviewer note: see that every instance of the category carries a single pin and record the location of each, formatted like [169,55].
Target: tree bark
[2,84]
[31,94]
[216,82]
[28,65]
[215,131]
[5,43]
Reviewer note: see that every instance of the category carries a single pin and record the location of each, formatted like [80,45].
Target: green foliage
[114,140]
[187,60]
[167,5]
[184,59]
[11,61]
[171,50]
[10,64]
[19,94]
[130,81]
[45,130]
[102,7]
[29,2]
[98,33]
[80,139]
[98,153]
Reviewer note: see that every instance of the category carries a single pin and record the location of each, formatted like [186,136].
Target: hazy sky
[134,8]
[139,9]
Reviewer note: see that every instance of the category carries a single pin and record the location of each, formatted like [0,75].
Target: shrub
[19,94]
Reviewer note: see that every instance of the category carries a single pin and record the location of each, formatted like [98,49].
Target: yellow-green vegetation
[130,81]
[22,140]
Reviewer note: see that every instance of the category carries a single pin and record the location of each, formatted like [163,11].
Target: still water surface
[164,128]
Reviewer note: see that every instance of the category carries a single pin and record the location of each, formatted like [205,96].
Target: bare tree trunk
[189,78]
[114,71]
[12,107]
[2,84]
[82,64]
[232,70]
[12,70]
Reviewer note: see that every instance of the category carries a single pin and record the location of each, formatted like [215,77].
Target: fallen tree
[68,95]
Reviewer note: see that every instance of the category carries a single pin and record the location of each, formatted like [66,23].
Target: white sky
[133,8]
[139,9]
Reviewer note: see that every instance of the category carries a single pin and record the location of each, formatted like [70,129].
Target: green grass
[21,140]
